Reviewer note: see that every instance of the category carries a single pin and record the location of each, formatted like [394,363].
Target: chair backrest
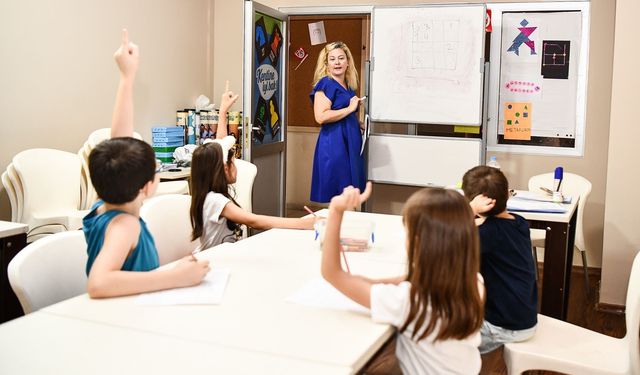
[49,270]
[50,181]
[17,187]
[573,185]
[243,187]
[633,316]
[102,134]
[168,220]
[11,193]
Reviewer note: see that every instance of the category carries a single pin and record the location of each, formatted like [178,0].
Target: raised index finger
[125,37]
[367,192]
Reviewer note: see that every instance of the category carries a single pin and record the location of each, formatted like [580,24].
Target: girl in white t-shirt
[438,306]
[215,215]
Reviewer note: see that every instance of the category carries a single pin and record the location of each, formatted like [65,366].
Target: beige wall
[59,80]
[621,229]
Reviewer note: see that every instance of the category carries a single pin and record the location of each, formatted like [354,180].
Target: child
[506,261]
[437,307]
[215,215]
[122,169]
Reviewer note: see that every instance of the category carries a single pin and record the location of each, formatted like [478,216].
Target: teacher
[337,162]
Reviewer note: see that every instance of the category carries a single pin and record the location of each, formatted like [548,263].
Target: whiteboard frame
[482,71]
[494,77]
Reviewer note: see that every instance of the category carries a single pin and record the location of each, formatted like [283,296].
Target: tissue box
[355,235]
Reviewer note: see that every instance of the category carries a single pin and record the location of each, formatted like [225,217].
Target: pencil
[309,211]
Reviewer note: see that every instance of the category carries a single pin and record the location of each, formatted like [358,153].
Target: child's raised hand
[191,272]
[228,98]
[350,199]
[481,204]
[127,56]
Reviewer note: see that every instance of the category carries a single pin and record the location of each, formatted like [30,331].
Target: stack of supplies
[165,141]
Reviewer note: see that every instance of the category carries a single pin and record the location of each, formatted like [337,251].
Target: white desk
[560,235]
[265,270]
[43,343]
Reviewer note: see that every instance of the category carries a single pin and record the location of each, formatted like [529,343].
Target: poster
[517,120]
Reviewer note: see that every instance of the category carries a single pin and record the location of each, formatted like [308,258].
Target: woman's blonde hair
[444,260]
[351,75]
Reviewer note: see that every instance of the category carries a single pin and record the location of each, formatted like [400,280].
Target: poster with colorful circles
[267,86]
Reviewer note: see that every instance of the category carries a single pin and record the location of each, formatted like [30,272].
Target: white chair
[49,270]
[243,187]
[168,220]
[563,347]
[102,134]
[17,187]
[574,186]
[51,189]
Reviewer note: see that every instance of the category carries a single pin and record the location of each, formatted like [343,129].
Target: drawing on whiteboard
[523,37]
[434,44]
[555,59]
[524,87]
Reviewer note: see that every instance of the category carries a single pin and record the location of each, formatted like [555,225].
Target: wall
[621,234]
[59,79]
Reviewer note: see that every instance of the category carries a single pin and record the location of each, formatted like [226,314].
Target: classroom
[60,82]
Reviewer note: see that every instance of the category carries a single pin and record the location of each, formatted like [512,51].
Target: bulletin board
[537,99]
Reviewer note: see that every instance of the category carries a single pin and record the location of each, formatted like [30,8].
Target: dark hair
[444,260]
[490,182]
[207,174]
[120,167]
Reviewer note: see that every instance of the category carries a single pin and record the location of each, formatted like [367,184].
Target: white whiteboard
[421,161]
[428,64]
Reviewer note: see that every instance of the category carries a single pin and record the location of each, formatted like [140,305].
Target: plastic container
[355,235]
[493,162]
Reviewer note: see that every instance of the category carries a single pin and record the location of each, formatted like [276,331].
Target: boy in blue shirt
[123,172]
[506,262]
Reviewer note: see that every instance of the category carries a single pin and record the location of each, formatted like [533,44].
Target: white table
[560,235]
[43,343]
[265,270]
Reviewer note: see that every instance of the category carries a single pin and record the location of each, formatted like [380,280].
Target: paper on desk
[319,293]
[209,292]
[533,196]
[515,204]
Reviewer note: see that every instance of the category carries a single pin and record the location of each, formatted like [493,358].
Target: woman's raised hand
[228,98]
[127,56]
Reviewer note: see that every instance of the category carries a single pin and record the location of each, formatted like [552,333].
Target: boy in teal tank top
[123,173]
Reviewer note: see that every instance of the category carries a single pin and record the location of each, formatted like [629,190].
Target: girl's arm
[127,58]
[355,287]
[240,216]
[325,115]
[226,101]
[106,279]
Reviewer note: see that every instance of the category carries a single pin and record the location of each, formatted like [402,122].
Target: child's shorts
[493,336]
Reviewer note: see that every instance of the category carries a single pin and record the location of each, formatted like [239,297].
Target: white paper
[319,293]
[209,292]
[316,33]
[541,197]
[514,204]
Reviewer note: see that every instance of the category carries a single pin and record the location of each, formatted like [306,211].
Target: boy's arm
[226,101]
[106,279]
[481,204]
[127,58]
[355,287]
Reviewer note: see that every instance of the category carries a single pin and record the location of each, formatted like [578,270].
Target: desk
[183,174]
[265,270]
[43,343]
[13,237]
[558,256]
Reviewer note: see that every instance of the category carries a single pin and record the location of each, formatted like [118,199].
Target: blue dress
[337,162]
[143,258]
